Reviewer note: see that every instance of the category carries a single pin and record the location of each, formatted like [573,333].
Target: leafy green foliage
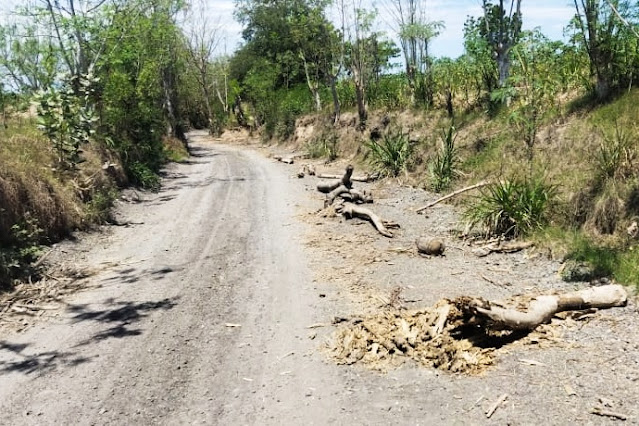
[444,167]
[20,251]
[67,118]
[391,153]
[513,207]
[532,89]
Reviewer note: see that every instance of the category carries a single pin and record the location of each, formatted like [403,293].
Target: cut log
[287,160]
[430,246]
[543,308]
[368,177]
[350,210]
[345,180]
[452,194]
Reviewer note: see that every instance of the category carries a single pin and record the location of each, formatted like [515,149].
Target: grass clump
[391,154]
[443,169]
[513,207]
[324,146]
[174,150]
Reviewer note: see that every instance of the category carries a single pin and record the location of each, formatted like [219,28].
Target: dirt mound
[434,337]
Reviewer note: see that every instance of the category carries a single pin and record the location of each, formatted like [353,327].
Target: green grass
[617,260]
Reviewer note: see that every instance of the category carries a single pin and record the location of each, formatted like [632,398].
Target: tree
[415,32]
[203,41]
[26,58]
[358,24]
[501,30]
[610,41]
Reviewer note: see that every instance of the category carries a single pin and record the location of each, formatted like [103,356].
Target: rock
[573,270]
[430,246]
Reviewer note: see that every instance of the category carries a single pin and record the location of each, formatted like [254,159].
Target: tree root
[349,210]
[326,187]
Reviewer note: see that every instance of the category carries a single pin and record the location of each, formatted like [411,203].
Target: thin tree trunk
[336,105]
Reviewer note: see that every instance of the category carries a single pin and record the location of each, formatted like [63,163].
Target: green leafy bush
[140,174]
[20,251]
[66,117]
[513,207]
[443,168]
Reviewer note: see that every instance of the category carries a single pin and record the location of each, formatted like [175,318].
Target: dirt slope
[198,313]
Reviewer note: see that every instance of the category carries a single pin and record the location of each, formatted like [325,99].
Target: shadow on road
[120,317]
[132,275]
[41,362]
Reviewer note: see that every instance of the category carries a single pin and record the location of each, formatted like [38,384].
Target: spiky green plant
[513,207]
[390,154]
[443,168]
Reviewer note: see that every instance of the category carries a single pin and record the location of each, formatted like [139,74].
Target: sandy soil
[197,311]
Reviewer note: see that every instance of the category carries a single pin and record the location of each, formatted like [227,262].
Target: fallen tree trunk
[345,180]
[452,194]
[287,160]
[365,178]
[543,308]
[350,210]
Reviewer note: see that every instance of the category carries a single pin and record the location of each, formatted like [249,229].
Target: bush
[22,249]
[443,168]
[513,207]
[140,174]
[392,153]
[324,145]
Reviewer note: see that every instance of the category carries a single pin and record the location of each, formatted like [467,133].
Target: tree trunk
[336,105]
[362,112]
[503,66]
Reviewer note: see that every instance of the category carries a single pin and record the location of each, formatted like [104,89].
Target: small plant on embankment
[444,167]
[390,154]
[513,207]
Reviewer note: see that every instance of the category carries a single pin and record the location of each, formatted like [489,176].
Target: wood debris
[496,405]
[607,413]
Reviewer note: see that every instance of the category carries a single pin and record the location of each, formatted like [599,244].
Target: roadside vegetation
[98,94]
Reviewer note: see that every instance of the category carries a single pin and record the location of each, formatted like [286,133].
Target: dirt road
[150,343]
[199,313]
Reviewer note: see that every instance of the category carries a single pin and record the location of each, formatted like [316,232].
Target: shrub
[443,168]
[613,154]
[392,153]
[513,207]
[324,145]
[22,249]
[142,175]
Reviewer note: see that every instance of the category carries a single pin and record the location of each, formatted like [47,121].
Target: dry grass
[41,204]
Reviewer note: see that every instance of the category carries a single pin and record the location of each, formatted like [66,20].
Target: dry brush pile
[460,335]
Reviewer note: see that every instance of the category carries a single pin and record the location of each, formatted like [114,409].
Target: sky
[551,16]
